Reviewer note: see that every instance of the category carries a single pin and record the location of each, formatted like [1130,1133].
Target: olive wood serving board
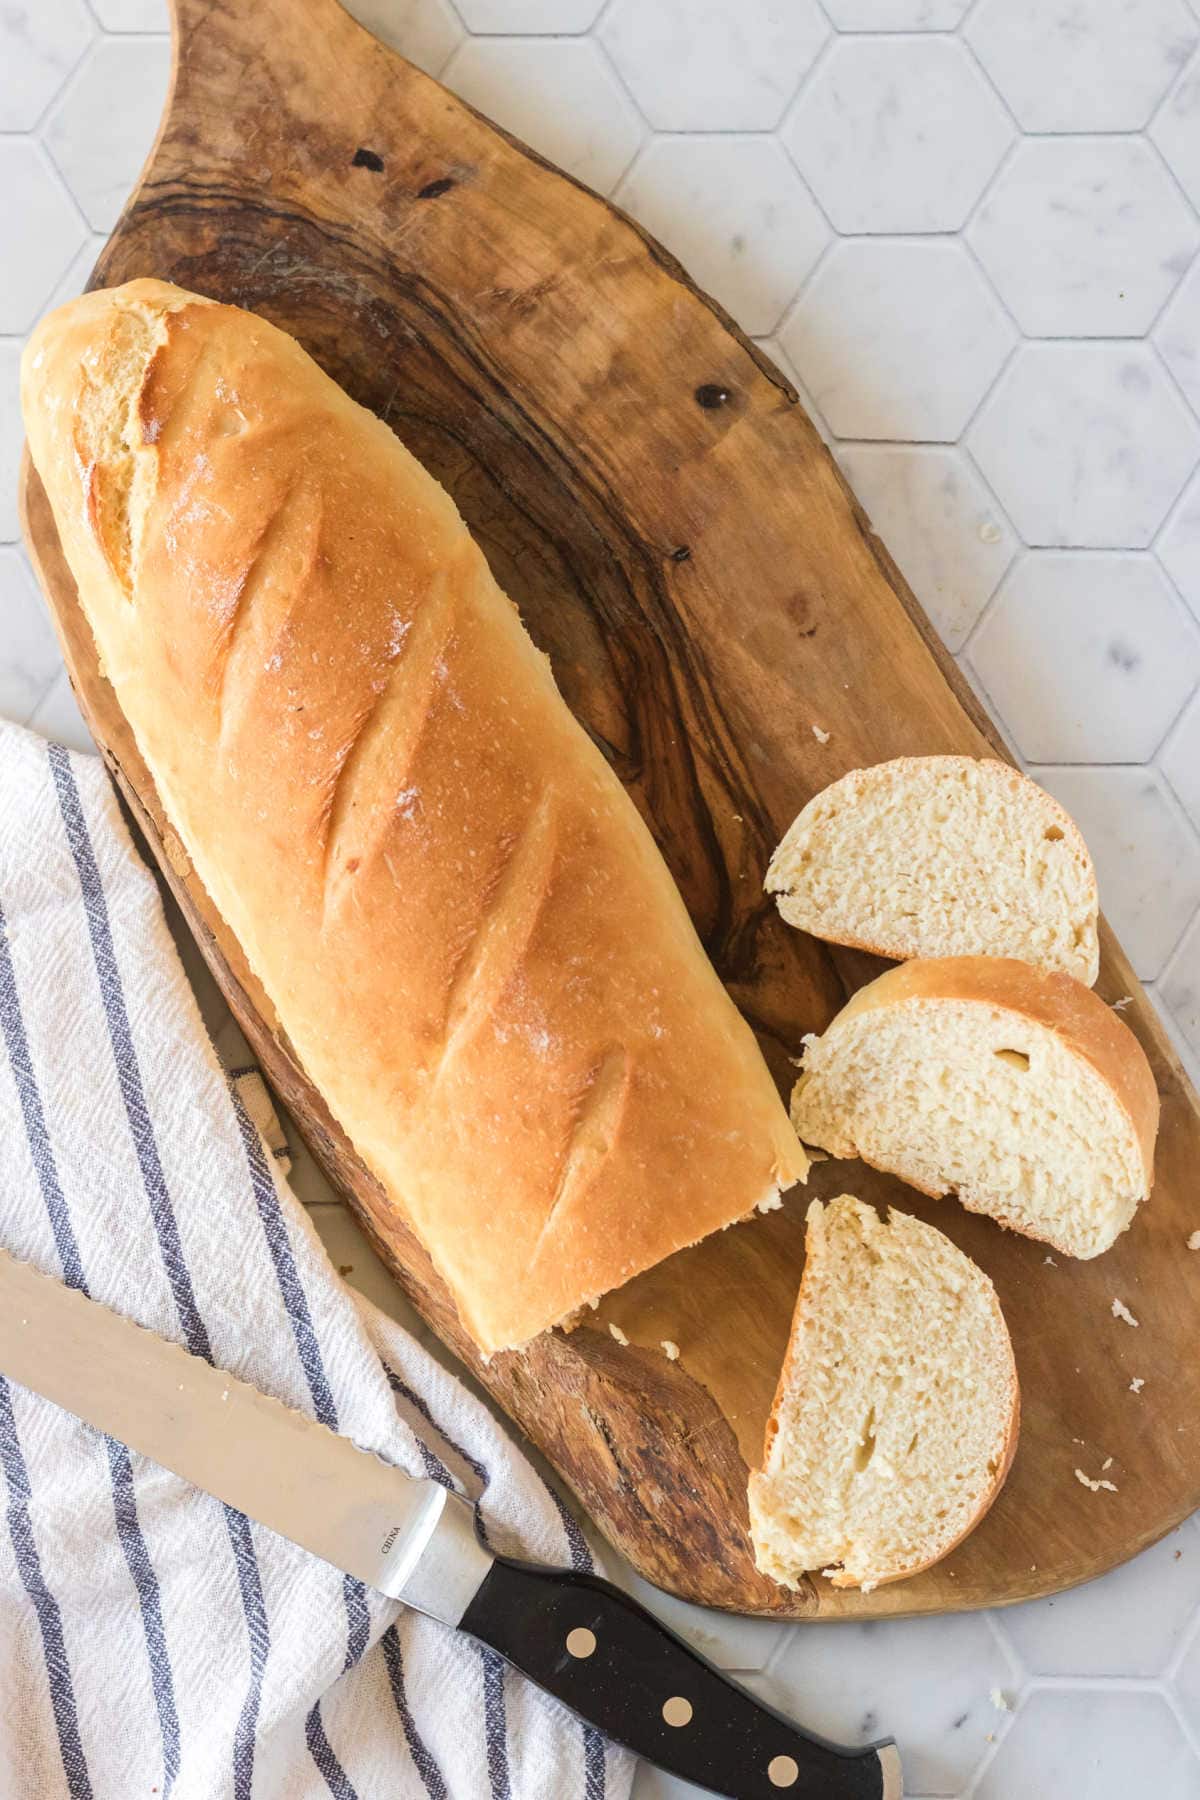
[651,494]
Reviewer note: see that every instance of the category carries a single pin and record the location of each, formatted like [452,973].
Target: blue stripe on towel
[129,1531]
[29,1567]
[133,1094]
[321,1751]
[431,1776]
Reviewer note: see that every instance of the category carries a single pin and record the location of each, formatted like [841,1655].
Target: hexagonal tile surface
[1087,658]
[1180,989]
[951,540]
[134,15]
[425,31]
[735,213]
[1092,1746]
[43,40]
[39,228]
[1090,65]
[1147,857]
[31,656]
[896,15]
[1181,761]
[779,356]
[932,1677]
[1085,444]
[901,134]
[558,94]
[100,147]
[712,68]
[58,717]
[897,340]
[505,16]
[1175,128]
[1084,237]
[1177,336]
[12,436]
[1179,546]
[75,276]
[1129,1623]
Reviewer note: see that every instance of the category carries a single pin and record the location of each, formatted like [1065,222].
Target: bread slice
[941,856]
[1021,1092]
[896,1416]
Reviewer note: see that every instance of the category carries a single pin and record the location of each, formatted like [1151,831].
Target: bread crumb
[618,1334]
[345,1269]
[1051,1261]
[1137,1384]
[822,737]
[1194,1241]
[672,1350]
[1178,1554]
[738,819]
[1095,1485]
[989,1737]
[1000,1700]
[1107,1464]
[1120,1005]
[1121,1311]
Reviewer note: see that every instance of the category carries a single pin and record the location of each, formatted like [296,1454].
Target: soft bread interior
[941,856]
[897,1411]
[977,1099]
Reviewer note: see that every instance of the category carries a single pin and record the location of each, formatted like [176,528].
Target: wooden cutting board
[652,495]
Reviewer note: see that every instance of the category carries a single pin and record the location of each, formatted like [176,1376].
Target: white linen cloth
[152,1641]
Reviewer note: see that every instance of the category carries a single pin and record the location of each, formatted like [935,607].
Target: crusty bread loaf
[896,1416]
[1021,1092]
[465,928]
[941,856]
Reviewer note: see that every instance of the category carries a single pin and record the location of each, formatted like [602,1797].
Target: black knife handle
[609,1660]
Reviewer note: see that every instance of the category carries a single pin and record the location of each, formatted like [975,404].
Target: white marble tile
[779,356]
[1180,993]
[100,147]
[1092,1745]
[58,717]
[12,436]
[559,95]
[1084,237]
[77,273]
[1176,130]
[1087,657]
[713,68]
[896,15]
[1130,1623]
[503,16]
[925,1681]
[1082,65]
[1147,857]
[652,1784]
[425,31]
[42,42]
[29,658]
[1086,444]
[133,15]
[1178,547]
[39,229]
[736,1644]
[897,339]
[735,213]
[951,540]
[1178,335]
[1180,761]
[897,134]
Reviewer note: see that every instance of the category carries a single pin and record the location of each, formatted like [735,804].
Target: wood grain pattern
[650,492]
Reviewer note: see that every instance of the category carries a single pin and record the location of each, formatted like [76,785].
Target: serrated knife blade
[581,1639]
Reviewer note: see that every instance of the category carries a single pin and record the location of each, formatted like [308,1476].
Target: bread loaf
[465,927]
[895,1421]
[941,856]
[1021,1092]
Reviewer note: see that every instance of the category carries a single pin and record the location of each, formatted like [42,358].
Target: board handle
[608,1659]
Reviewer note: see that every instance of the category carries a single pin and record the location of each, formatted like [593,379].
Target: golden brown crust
[462,922]
[1074,1013]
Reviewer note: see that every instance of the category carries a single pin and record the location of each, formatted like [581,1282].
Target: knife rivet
[677,1710]
[581,1642]
[783,1771]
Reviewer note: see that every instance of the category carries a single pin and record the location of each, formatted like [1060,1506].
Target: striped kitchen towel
[153,1641]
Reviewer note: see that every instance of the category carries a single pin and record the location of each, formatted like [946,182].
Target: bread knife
[578,1637]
